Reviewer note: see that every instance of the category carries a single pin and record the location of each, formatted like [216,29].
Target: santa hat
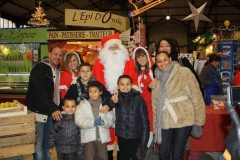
[110,40]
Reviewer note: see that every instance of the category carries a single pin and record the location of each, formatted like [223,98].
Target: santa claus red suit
[113,61]
[112,64]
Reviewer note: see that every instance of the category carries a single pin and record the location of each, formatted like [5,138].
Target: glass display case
[13,86]
[14,81]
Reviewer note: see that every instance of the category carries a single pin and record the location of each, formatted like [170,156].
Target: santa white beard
[114,63]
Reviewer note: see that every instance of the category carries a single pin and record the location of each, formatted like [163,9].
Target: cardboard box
[17,135]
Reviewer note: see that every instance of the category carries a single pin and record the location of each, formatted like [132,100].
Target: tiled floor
[204,156]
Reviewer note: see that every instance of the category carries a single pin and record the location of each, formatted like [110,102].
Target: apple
[11,104]
[6,104]
[2,106]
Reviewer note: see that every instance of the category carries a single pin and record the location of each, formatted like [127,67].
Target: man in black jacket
[43,98]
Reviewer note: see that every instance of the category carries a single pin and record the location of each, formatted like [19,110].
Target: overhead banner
[85,34]
[75,17]
[25,35]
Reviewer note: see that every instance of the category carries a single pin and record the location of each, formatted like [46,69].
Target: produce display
[8,105]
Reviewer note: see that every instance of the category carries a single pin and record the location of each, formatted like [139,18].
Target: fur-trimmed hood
[150,64]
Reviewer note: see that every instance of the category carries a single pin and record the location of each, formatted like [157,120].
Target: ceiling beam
[189,22]
[50,7]
[109,5]
[177,7]
[10,17]
[98,7]
[208,15]
[183,15]
[89,7]
[156,22]
[73,5]
[234,3]
[185,22]
[2,2]
[20,6]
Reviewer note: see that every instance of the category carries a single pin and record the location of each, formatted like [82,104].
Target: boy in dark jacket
[78,89]
[65,134]
[132,124]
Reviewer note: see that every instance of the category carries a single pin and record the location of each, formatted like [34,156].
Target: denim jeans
[174,141]
[66,156]
[41,145]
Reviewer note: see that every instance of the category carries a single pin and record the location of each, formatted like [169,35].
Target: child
[78,89]
[71,63]
[132,124]
[65,134]
[95,125]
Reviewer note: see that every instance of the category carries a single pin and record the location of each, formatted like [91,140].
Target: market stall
[20,50]
[86,43]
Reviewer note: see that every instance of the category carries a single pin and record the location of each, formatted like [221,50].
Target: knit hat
[110,40]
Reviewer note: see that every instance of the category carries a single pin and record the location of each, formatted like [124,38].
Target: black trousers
[66,156]
[128,148]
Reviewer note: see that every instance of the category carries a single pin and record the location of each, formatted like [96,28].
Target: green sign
[25,35]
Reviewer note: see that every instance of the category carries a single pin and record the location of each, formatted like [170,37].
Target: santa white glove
[150,139]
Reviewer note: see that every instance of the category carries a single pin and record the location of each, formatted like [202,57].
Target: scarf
[95,106]
[163,77]
[217,75]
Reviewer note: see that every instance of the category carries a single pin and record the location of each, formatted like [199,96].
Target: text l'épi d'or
[103,17]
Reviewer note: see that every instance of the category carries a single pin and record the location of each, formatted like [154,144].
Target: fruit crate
[17,109]
[17,135]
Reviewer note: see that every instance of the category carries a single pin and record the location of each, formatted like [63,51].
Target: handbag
[152,152]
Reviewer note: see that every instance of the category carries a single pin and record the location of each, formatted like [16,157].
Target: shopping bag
[152,152]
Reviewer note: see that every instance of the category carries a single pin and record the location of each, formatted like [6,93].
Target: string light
[38,17]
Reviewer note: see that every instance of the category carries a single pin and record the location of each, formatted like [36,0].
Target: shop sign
[74,17]
[26,35]
[86,34]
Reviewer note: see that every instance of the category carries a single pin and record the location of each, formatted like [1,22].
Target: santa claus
[113,61]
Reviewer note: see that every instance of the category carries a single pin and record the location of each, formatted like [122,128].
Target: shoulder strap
[180,61]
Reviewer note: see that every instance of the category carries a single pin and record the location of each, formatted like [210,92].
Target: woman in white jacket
[94,125]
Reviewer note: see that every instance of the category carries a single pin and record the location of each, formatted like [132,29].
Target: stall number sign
[90,34]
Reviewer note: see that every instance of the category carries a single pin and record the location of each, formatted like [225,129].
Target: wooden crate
[17,135]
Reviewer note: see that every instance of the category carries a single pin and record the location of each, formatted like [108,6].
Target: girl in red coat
[72,62]
[143,67]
